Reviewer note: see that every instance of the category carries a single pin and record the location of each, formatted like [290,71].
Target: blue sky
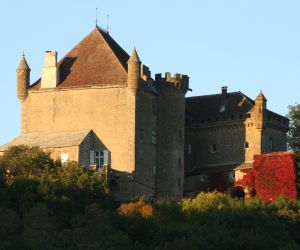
[246,45]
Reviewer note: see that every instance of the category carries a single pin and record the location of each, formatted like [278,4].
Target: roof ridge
[194,97]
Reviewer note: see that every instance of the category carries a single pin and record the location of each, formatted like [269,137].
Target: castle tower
[23,79]
[171,128]
[134,66]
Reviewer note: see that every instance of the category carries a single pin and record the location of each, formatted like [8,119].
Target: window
[271,144]
[213,148]
[154,138]
[154,169]
[231,176]
[99,158]
[190,149]
[179,162]
[179,182]
[180,133]
[246,145]
[154,106]
[64,157]
[203,177]
[248,115]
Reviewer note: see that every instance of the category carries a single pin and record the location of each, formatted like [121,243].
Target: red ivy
[272,174]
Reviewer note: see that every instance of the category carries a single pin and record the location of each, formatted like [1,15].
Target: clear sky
[246,45]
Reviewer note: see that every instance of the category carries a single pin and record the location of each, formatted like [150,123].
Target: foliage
[66,207]
[294,132]
[272,174]
[138,208]
[25,162]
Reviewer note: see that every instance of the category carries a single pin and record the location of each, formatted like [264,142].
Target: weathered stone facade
[224,135]
[155,141]
[139,120]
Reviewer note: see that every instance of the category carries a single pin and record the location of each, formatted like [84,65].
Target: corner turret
[23,79]
[260,109]
[134,66]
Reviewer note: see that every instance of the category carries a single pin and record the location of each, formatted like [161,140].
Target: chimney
[223,99]
[224,91]
[50,71]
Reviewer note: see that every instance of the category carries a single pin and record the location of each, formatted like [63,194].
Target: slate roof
[210,105]
[97,60]
[49,139]
[220,168]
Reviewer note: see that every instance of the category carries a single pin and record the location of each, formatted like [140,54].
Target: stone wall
[104,110]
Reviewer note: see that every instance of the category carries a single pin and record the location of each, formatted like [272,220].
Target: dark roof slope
[96,60]
[213,105]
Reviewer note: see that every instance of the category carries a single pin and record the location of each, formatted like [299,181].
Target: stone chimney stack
[23,79]
[224,90]
[134,66]
[50,72]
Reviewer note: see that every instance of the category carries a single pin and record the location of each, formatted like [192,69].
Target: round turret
[134,66]
[23,79]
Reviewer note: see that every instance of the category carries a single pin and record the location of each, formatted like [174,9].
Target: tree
[294,133]
[25,162]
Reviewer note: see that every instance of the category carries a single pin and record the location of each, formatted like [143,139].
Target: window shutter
[92,157]
[105,154]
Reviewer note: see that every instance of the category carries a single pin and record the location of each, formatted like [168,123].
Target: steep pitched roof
[49,139]
[96,60]
[211,105]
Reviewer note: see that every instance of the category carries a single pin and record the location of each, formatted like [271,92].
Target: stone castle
[99,106]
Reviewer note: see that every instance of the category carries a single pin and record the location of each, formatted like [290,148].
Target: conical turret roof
[134,56]
[23,64]
[261,96]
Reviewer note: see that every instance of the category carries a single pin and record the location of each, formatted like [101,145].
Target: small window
[190,149]
[248,115]
[231,176]
[179,182]
[203,177]
[213,148]
[154,169]
[179,162]
[241,116]
[154,106]
[64,157]
[246,145]
[232,117]
[154,138]
[271,144]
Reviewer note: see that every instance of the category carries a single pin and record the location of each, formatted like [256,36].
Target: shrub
[138,208]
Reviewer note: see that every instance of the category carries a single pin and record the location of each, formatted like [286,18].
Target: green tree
[294,133]
[25,162]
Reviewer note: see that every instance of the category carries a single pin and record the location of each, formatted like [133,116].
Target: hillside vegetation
[44,205]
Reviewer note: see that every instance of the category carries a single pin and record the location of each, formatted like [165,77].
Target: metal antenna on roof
[107,27]
[96,17]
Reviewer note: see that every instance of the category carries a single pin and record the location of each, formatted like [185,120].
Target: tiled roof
[49,139]
[96,60]
[212,105]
